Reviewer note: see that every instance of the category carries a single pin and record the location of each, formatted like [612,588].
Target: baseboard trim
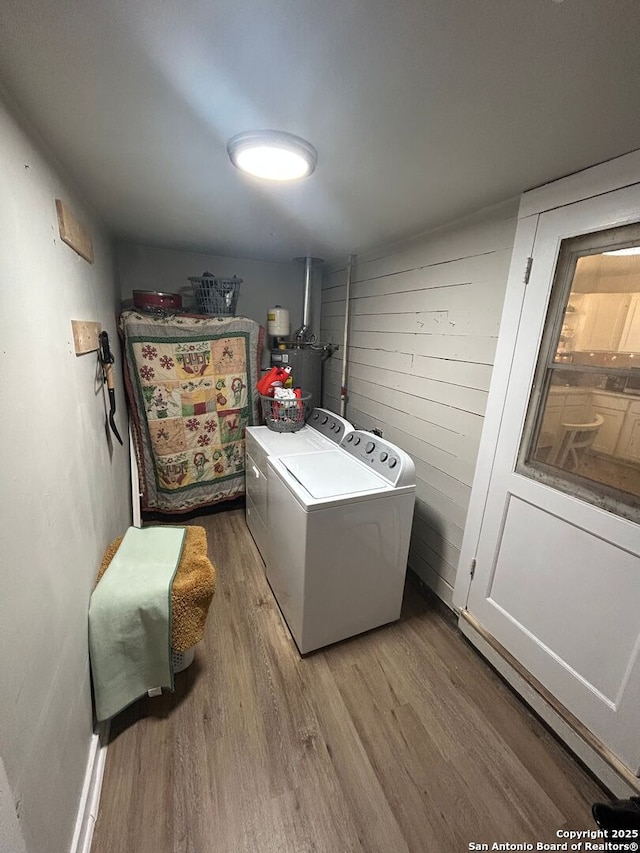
[595,756]
[90,797]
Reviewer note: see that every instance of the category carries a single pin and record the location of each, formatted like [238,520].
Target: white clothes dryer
[339,529]
[323,431]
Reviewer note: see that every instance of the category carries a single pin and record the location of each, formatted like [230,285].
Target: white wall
[63,494]
[11,839]
[423,331]
[263,285]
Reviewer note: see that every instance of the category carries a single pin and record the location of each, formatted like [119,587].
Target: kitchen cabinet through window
[582,433]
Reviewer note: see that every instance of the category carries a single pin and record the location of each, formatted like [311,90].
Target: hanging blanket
[191,386]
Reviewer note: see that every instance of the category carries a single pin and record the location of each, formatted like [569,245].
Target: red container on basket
[274,377]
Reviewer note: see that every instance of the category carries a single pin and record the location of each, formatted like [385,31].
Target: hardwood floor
[402,739]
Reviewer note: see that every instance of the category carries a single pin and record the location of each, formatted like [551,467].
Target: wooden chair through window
[573,441]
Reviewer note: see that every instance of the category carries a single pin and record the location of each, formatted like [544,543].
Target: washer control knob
[369,447]
[316,415]
[384,456]
[324,419]
[393,462]
[356,440]
[350,437]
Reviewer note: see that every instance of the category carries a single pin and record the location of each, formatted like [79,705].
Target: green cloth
[130,619]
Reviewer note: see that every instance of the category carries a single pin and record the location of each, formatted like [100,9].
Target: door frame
[598,180]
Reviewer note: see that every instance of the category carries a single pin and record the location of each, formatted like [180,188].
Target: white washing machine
[324,431]
[339,529]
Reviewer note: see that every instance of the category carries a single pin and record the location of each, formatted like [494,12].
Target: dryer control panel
[386,459]
[330,425]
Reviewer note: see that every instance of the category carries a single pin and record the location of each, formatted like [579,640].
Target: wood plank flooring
[402,739]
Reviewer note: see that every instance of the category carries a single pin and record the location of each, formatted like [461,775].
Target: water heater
[306,368]
[300,351]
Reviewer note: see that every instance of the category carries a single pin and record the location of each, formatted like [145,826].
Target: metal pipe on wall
[306,308]
[345,342]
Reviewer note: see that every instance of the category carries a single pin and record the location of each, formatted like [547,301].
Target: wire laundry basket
[285,415]
[216,296]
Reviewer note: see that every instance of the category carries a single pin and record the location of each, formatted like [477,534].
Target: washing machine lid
[332,474]
[306,440]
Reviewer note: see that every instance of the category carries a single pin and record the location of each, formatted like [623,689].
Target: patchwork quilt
[191,386]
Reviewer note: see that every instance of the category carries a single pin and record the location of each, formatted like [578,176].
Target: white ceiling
[420,111]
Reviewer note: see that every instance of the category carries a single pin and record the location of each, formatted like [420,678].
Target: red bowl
[154,299]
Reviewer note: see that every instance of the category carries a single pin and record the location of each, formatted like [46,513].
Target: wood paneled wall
[424,320]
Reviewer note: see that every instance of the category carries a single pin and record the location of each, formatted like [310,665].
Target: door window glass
[582,433]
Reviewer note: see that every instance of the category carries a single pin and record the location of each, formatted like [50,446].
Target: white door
[557,571]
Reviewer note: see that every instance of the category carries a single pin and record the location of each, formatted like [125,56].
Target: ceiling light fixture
[272,154]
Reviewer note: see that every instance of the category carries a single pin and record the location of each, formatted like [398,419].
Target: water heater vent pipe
[303,332]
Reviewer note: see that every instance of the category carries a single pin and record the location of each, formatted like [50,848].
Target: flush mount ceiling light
[272,154]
